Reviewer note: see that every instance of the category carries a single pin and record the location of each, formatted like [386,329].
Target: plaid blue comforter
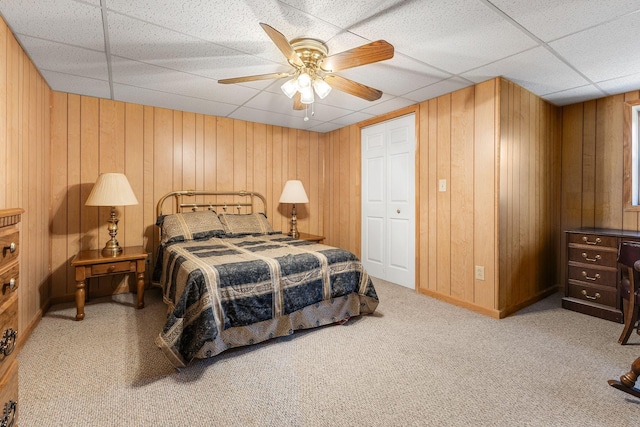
[240,290]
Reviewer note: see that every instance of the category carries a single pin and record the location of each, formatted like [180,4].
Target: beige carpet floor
[416,362]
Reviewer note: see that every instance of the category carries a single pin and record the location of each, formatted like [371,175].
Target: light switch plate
[442,185]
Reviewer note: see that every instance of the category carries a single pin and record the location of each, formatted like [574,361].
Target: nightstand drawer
[594,240]
[594,276]
[112,267]
[595,294]
[596,256]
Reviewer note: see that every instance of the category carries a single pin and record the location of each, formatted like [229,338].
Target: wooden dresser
[593,277]
[9,278]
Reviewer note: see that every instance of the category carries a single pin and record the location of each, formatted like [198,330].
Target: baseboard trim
[26,332]
[496,314]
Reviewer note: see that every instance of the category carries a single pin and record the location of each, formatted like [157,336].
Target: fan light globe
[322,88]
[306,95]
[304,81]
[289,88]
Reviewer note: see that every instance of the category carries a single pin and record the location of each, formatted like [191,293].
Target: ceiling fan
[314,68]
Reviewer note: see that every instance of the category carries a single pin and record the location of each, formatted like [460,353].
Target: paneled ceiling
[170,53]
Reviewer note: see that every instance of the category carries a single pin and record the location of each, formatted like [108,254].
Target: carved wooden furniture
[629,260]
[9,278]
[628,381]
[593,274]
[92,263]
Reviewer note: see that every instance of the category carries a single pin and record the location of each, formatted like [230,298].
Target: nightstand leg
[80,299]
[141,289]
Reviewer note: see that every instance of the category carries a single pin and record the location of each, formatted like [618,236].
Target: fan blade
[297,104]
[253,78]
[353,88]
[283,44]
[365,54]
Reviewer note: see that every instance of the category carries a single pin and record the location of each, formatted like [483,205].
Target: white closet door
[388,200]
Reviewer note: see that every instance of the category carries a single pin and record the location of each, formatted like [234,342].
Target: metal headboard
[180,205]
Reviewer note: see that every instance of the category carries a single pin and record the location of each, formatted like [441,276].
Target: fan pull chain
[306,115]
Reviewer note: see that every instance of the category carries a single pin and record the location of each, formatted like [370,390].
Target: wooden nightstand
[91,264]
[311,237]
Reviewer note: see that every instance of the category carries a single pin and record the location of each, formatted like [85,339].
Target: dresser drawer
[9,396]
[596,256]
[594,276]
[594,240]
[112,267]
[594,294]
[9,280]
[9,245]
[8,331]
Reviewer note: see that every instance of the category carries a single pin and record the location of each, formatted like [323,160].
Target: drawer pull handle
[596,259]
[584,292]
[111,268]
[586,276]
[11,285]
[11,248]
[8,342]
[9,414]
[586,240]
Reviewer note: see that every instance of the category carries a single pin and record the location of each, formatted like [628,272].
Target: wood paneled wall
[458,228]
[530,177]
[592,165]
[25,169]
[162,150]
[498,147]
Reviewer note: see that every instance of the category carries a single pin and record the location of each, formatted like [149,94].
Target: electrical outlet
[479,272]
[442,185]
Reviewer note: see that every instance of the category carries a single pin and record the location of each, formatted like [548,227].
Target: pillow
[190,226]
[253,223]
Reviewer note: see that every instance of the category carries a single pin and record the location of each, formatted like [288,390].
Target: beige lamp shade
[293,192]
[111,189]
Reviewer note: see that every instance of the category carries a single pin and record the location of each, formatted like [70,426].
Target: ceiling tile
[537,70]
[352,118]
[63,58]
[64,21]
[552,19]
[408,75]
[172,101]
[274,118]
[605,52]
[457,35]
[571,96]
[78,85]
[351,12]
[133,73]
[440,88]
[388,106]
[621,85]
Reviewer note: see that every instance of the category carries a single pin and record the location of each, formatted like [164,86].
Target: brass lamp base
[112,248]
[294,224]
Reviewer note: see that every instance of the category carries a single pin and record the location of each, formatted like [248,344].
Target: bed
[229,280]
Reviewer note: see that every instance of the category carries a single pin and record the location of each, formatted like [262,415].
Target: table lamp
[293,193]
[112,189]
